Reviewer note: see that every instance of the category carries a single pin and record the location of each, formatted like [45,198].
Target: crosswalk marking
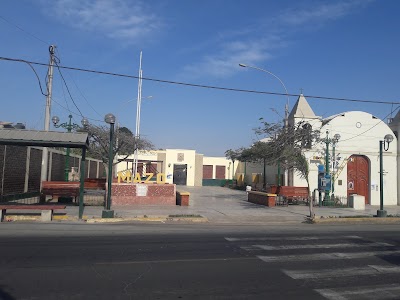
[321,274]
[301,238]
[314,246]
[324,256]
[331,275]
[377,292]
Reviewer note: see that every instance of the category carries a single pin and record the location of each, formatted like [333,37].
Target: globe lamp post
[383,145]
[69,126]
[107,212]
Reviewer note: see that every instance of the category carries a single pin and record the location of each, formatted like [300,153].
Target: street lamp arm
[266,71]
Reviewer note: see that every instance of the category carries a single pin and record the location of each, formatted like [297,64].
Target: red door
[358,176]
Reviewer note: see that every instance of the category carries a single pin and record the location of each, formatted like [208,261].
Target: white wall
[360,134]
[189,158]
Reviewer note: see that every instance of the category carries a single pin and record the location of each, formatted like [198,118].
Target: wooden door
[358,176]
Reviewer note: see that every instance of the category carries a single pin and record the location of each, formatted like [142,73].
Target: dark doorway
[180,174]
[358,176]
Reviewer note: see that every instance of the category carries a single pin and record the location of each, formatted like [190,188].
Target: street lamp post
[69,126]
[286,108]
[336,139]
[383,145]
[107,212]
[327,198]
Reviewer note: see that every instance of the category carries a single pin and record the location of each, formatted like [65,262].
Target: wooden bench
[46,210]
[291,194]
[57,189]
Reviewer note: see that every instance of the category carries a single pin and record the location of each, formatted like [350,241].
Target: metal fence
[20,169]
[90,198]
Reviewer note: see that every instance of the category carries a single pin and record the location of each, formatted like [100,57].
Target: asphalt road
[164,261]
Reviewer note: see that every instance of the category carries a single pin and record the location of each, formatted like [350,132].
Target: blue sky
[345,49]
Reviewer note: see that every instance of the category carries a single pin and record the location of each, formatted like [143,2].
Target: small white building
[180,166]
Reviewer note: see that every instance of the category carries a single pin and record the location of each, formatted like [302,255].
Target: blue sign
[321,168]
[327,182]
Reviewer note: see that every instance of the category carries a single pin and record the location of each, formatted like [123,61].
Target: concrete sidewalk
[220,205]
[224,206]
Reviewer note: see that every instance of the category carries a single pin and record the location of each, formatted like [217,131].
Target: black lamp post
[69,126]
[107,212]
[385,146]
[336,139]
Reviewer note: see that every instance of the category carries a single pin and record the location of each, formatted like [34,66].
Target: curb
[370,220]
[161,219]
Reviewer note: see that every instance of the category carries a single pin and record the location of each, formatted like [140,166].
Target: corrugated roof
[43,138]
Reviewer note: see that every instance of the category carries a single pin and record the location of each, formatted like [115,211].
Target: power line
[204,86]
[73,101]
[24,31]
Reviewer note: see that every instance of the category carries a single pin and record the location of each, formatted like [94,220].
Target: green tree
[284,145]
[233,155]
[259,152]
[124,142]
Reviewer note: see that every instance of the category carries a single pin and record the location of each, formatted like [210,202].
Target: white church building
[355,167]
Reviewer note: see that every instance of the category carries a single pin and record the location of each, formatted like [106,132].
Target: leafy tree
[284,145]
[258,152]
[124,142]
[233,155]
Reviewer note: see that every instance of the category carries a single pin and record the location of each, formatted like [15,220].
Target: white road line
[330,273]
[313,246]
[324,256]
[302,238]
[376,292]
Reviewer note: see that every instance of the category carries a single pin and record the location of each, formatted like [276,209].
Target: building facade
[354,166]
[180,166]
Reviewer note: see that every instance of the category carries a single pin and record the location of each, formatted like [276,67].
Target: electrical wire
[83,96]
[204,86]
[65,83]
[74,113]
[37,76]
[24,31]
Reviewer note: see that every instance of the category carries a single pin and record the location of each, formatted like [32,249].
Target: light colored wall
[198,181]
[258,168]
[358,141]
[221,161]
[189,160]
[142,155]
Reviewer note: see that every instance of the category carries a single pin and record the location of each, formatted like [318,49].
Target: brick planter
[182,198]
[261,198]
[143,194]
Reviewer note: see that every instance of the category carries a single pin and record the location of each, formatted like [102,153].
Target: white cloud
[267,36]
[119,19]
[320,12]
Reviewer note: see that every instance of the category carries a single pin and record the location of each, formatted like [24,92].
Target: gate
[180,174]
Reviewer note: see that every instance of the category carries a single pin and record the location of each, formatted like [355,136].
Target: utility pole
[43,176]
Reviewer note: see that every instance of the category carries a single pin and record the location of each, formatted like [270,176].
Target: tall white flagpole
[139,102]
